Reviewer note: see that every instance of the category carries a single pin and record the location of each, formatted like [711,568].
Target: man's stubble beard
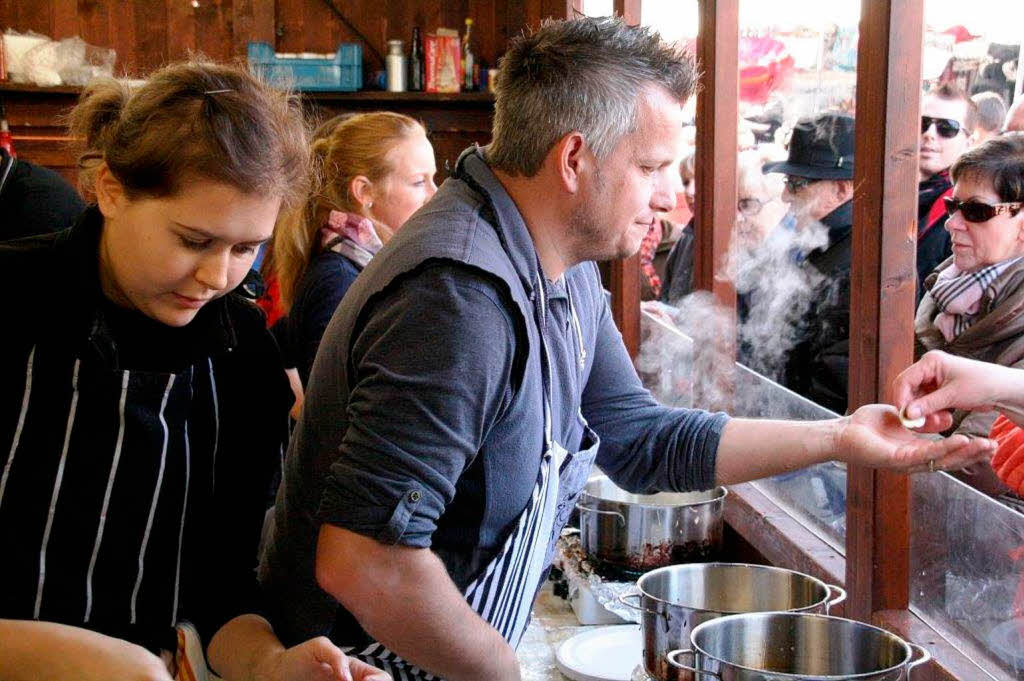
[588,240]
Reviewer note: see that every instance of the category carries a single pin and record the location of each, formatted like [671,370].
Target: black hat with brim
[821,148]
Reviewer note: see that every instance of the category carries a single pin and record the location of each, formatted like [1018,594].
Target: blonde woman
[376,170]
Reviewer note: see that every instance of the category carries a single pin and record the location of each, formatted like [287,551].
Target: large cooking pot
[789,646]
[627,534]
[674,600]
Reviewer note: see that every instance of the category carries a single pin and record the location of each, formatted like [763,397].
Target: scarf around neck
[351,235]
[958,296]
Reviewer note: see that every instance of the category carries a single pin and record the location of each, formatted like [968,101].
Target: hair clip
[215,92]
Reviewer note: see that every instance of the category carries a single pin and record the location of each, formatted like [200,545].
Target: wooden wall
[148,33]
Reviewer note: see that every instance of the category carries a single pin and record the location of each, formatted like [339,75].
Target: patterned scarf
[351,235]
[958,296]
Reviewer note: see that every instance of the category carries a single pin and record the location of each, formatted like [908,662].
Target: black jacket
[137,458]
[34,200]
[933,242]
[818,364]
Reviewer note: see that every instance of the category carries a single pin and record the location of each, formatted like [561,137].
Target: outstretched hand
[873,436]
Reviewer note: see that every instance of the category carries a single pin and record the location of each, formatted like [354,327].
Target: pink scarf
[958,296]
[351,235]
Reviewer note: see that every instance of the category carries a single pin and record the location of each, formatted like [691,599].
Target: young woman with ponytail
[375,170]
[143,406]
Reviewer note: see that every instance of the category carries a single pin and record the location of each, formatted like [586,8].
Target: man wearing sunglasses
[819,190]
[948,119]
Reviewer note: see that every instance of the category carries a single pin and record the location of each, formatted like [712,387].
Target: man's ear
[110,193]
[572,158]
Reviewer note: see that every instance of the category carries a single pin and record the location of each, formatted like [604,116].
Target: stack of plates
[602,654]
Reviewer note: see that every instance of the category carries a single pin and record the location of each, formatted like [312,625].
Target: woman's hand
[316,660]
[939,382]
[873,436]
[58,652]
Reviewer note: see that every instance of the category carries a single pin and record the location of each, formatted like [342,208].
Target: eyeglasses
[795,184]
[976,211]
[946,127]
[750,206]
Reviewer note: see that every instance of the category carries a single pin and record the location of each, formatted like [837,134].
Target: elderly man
[948,119]
[819,190]
[473,375]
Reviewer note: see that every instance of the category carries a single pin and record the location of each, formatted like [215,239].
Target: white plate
[602,654]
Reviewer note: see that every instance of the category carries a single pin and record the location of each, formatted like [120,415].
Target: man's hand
[939,382]
[873,436]
[315,660]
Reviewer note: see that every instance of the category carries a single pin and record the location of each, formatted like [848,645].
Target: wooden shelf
[7,86]
[470,99]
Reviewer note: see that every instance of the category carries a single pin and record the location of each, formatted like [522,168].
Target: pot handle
[622,598]
[924,659]
[673,654]
[581,507]
[839,594]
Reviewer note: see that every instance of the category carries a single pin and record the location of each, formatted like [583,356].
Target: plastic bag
[33,58]
[16,45]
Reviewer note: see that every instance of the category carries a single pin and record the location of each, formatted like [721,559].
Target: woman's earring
[369,204]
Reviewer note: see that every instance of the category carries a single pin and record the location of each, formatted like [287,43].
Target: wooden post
[625,273]
[883,288]
[716,156]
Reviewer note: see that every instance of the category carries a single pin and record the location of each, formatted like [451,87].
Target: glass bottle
[395,63]
[467,58]
[415,81]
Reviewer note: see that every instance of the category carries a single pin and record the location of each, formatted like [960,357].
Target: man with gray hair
[473,375]
[991,112]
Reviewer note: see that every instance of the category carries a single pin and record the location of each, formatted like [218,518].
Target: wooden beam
[716,154]
[629,10]
[883,288]
[625,284]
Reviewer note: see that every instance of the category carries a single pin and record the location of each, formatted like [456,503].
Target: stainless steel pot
[787,646]
[640,532]
[674,600]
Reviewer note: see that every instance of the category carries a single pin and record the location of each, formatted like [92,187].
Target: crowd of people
[459,370]
[970,248]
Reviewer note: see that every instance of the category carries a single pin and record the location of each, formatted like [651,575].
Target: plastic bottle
[395,64]
[6,139]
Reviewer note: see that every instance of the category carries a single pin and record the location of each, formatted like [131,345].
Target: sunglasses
[795,184]
[976,211]
[946,127]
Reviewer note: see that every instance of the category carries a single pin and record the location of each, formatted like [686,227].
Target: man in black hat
[819,189]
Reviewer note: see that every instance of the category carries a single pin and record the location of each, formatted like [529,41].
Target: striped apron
[95,490]
[504,591]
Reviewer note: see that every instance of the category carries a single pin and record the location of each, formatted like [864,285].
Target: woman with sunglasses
[974,300]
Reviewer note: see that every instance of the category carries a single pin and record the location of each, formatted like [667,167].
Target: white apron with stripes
[503,594]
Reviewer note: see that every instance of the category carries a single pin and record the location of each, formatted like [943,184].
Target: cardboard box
[442,57]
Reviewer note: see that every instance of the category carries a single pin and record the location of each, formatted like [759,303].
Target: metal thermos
[395,64]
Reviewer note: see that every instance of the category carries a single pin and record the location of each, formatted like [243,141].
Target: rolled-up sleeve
[645,447]
[429,373]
